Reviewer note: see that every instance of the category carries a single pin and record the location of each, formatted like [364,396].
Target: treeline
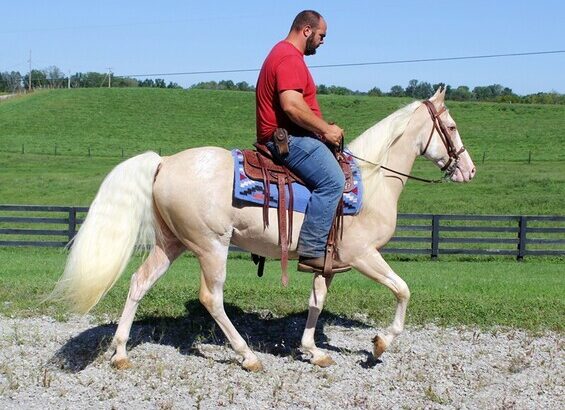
[53,77]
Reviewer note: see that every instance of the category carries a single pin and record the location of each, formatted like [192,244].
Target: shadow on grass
[279,336]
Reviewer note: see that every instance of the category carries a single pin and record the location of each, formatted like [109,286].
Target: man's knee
[337,181]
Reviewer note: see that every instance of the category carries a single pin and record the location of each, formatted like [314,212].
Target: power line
[420,60]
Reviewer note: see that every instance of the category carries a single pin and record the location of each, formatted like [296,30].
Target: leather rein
[437,125]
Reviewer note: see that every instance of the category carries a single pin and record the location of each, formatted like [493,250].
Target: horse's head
[443,144]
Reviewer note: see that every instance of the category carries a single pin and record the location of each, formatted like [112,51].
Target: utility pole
[29,82]
[109,77]
[69,80]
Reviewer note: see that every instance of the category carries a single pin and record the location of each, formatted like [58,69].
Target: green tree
[38,79]
[375,92]
[11,81]
[396,91]
[461,93]
[322,89]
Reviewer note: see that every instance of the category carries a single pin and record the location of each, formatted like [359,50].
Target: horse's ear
[439,95]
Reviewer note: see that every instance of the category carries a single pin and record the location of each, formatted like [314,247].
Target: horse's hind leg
[317,297]
[212,279]
[155,266]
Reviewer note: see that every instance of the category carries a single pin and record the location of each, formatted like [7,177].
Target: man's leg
[310,159]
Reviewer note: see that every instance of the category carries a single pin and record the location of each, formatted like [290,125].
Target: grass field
[135,120]
[497,291]
[525,295]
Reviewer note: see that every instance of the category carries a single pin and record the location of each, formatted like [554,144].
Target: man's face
[316,38]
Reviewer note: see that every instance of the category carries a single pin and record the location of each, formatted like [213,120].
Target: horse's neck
[401,158]
[383,191]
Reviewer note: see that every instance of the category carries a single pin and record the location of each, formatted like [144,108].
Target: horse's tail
[120,216]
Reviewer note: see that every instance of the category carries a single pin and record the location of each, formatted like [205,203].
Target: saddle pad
[249,191]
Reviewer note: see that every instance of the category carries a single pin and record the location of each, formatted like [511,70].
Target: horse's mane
[374,144]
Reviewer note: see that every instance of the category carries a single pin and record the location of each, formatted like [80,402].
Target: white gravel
[181,364]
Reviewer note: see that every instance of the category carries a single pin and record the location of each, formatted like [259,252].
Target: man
[286,98]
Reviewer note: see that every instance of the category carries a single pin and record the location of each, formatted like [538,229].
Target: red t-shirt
[283,69]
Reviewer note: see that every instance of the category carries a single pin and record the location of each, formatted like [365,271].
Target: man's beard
[310,47]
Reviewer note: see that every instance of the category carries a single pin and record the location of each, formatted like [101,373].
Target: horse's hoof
[121,364]
[379,346]
[324,361]
[254,366]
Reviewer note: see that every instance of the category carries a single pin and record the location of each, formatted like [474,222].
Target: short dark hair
[306,18]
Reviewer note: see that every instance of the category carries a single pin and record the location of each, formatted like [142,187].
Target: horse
[184,202]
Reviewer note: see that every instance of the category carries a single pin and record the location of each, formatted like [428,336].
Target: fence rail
[425,234]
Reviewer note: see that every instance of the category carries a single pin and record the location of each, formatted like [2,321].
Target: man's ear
[307,31]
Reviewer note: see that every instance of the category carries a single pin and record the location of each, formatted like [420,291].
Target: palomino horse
[185,202]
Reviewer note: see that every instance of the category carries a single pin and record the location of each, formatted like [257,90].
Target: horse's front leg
[317,297]
[375,267]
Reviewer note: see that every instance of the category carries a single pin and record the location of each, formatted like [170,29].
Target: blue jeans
[313,161]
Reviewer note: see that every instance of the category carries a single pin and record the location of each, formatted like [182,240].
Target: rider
[286,98]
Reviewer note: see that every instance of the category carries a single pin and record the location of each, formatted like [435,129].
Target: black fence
[426,234]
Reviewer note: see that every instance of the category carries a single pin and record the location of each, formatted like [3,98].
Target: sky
[173,36]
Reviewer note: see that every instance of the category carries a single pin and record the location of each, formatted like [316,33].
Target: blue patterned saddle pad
[249,191]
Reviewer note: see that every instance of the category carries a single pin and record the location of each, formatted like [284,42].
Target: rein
[438,126]
[428,181]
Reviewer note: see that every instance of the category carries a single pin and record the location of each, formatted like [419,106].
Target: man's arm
[293,104]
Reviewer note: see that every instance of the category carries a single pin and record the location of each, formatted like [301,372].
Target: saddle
[260,165]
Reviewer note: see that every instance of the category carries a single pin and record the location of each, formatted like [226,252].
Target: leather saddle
[260,165]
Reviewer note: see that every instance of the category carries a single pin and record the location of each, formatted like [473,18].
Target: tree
[226,85]
[11,81]
[38,79]
[173,85]
[375,92]
[54,76]
[244,86]
[322,89]
[396,91]
[420,90]
[410,91]
[461,93]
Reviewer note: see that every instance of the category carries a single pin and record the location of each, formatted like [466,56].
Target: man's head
[310,28]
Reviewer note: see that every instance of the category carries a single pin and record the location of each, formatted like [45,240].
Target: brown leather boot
[316,265]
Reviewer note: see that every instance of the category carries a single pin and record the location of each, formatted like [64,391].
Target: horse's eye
[452,128]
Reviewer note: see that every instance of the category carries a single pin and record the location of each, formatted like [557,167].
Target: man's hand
[333,134]
[293,104]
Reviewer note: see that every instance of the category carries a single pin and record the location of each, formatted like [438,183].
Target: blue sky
[166,36]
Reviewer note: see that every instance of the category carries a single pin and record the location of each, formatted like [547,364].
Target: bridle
[437,125]
[444,136]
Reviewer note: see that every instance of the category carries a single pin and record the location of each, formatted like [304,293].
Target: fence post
[72,223]
[23,149]
[530,157]
[435,236]
[522,229]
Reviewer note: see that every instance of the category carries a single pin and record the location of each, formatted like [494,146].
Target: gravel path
[182,363]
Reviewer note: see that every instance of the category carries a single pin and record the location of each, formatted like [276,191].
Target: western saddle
[260,165]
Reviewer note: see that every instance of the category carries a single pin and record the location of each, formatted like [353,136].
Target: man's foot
[316,265]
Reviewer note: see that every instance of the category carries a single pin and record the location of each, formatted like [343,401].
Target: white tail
[120,216]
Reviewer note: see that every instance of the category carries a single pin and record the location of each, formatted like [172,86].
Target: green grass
[135,120]
[107,120]
[526,295]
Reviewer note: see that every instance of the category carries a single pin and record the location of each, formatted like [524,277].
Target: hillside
[103,122]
